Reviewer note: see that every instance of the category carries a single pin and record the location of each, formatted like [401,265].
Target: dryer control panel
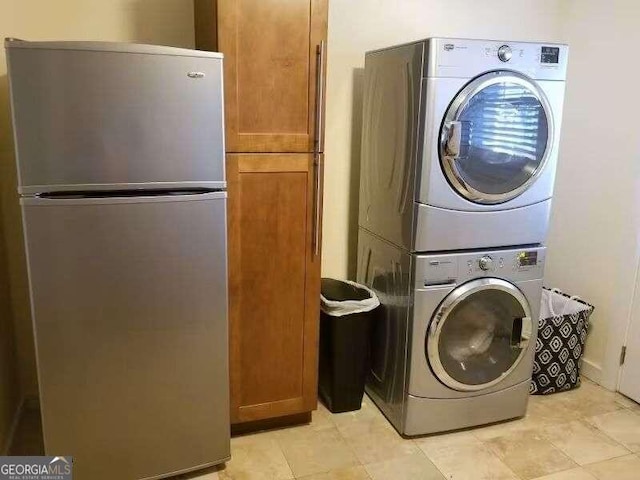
[455,268]
[466,58]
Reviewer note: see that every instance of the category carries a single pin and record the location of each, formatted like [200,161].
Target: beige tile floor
[585,434]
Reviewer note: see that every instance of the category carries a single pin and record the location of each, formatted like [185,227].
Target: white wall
[594,235]
[357,26]
[168,22]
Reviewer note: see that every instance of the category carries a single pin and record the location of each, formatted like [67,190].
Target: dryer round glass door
[496,137]
[479,334]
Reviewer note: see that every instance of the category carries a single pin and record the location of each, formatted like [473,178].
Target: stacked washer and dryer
[459,148]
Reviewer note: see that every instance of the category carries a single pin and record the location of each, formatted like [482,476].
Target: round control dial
[505,53]
[485,263]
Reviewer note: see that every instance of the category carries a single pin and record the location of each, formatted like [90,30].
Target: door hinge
[623,354]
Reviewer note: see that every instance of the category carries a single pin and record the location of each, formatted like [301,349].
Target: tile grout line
[488,449]
[606,434]
[293,475]
[628,454]
[410,440]
[444,475]
[584,421]
[346,442]
[533,430]
[277,441]
[633,409]
[351,449]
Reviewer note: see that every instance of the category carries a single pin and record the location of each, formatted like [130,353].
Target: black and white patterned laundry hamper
[562,331]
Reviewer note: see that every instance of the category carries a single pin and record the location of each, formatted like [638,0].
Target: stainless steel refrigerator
[120,152]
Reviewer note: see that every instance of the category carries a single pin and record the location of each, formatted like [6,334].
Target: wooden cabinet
[273,65]
[270,69]
[274,283]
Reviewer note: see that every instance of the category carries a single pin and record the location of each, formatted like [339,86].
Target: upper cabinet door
[271,50]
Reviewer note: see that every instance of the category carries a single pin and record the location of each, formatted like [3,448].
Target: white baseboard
[14,427]
[591,370]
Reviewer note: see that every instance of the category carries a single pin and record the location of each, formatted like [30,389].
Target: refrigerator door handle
[115,199]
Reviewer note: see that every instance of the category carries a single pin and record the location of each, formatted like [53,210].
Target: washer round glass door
[496,137]
[479,334]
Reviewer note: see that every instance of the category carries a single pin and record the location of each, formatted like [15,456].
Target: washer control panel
[455,268]
[514,261]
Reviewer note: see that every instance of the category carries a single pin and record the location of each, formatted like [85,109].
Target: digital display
[528,259]
[550,55]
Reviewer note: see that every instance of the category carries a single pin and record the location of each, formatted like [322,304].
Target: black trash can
[345,326]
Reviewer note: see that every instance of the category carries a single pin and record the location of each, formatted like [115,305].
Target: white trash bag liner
[556,304]
[336,308]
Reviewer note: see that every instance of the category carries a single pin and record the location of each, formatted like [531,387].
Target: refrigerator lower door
[129,303]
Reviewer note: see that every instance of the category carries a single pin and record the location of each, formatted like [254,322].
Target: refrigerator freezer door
[129,303]
[117,117]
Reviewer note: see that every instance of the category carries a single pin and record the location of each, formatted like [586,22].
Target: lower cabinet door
[274,283]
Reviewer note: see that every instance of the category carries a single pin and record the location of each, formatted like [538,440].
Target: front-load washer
[460,142]
[454,338]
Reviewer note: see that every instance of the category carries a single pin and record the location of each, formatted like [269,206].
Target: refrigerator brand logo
[36,468]
[195,74]
[448,47]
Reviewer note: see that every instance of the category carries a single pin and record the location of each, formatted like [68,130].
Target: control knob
[505,53]
[485,263]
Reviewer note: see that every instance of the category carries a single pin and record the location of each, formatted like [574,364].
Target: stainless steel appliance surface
[454,339]
[460,142]
[120,157]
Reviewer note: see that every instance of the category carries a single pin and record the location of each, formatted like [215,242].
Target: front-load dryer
[454,339]
[460,142]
